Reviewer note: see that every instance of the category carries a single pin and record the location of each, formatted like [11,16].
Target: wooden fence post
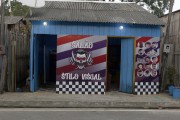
[3,74]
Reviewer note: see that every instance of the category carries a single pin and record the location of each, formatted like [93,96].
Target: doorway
[120,61]
[113,62]
[45,62]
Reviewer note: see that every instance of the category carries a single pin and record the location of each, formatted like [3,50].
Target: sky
[40,3]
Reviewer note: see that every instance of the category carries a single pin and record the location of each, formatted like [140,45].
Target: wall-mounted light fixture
[45,23]
[121,27]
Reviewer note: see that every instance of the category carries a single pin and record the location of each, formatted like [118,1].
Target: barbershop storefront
[78,49]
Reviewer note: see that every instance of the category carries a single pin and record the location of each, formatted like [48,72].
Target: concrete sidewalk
[110,100]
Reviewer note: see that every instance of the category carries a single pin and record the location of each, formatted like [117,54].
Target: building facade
[90,48]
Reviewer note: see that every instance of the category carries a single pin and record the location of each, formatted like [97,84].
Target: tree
[165,41]
[17,9]
[157,7]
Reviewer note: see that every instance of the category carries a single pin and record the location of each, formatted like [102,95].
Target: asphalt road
[88,114]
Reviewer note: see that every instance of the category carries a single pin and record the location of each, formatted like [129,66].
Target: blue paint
[123,67]
[31,62]
[170,89]
[108,29]
[35,64]
[126,68]
[176,93]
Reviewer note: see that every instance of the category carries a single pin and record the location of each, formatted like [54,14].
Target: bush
[171,72]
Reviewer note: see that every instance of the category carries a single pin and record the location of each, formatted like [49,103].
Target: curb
[79,104]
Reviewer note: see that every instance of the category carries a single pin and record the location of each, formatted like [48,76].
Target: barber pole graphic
[81,58]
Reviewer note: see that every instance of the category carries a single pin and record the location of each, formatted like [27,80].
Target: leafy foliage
[17,9]
[171,72]
[157,7]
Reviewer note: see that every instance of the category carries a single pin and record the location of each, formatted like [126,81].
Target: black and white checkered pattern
[146,88]
[76,87]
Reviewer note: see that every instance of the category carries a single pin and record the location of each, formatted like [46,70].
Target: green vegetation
[17,9]
[171,72]
[157,7]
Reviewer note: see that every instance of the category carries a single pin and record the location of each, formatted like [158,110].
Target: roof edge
[163,24]
[86,1]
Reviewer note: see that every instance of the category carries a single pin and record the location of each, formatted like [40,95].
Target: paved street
[87,114]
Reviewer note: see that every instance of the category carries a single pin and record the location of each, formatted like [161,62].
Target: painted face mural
[81,58]
[147,70]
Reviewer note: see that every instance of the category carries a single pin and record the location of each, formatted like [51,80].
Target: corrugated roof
[95,12]
[11,19]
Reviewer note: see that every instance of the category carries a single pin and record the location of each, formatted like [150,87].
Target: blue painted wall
[108,29]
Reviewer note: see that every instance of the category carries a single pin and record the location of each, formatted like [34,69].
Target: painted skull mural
[81,58]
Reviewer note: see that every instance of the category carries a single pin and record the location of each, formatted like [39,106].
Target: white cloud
[31,3]
[40,3]
[176,5]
